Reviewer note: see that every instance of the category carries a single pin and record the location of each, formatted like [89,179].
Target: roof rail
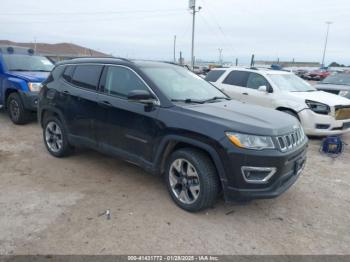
[123,59]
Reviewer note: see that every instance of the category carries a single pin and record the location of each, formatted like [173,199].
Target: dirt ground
[53,206]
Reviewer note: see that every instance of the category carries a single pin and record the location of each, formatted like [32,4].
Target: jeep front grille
[291,140]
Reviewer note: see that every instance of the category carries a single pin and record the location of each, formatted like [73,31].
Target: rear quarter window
[237,78]
[67,73]
[214,75]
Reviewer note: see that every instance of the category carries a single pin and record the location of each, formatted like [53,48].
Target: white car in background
[320,113]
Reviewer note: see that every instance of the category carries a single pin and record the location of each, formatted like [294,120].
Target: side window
[256,80]
[68,72]
[87,76]
[214,75]
[120,81]
[237,78]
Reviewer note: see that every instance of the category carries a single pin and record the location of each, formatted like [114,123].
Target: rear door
[81,101]
[255,96]
[234,84]
[126,128]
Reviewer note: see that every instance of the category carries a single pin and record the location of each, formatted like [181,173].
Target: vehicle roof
[117,60]
[256,70]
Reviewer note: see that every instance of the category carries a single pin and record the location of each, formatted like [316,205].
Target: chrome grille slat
[291,140]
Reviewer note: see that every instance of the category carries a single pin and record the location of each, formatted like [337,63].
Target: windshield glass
[291,82]
[178,83]
[340,79]
[27,63]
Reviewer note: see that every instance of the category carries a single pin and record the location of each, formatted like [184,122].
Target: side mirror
[263,89]
[141,96]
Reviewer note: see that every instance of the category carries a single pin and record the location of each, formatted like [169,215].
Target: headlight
[34,87]
[344,93]
[250,141]
[318,108]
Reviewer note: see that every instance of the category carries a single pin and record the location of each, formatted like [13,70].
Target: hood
[322,97]
[245,118]
[332,87]
[30,76]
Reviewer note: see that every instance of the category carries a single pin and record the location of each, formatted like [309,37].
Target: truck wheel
[15,108]
[56,137]
[192,179]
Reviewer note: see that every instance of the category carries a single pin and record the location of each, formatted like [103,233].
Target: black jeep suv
[171,122]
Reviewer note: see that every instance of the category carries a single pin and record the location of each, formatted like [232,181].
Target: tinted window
[87,76]
[67,74]
[256,80]
[237,78]
[120,81]
[214,75]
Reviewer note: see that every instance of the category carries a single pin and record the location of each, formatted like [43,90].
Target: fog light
[322,126]
[257,175]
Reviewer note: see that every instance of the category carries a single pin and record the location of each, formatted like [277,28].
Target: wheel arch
[282,108]
[49,111]
[172,143]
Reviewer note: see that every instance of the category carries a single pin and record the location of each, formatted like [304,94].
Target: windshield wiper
[188,101]
[18,69]
[216,98]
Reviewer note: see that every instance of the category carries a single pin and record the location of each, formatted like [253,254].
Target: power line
[94,13]
[109,19]
[213,31]
[219,26]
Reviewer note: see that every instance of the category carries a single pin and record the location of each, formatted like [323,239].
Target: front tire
[56,137]
[192,180]
[16,111]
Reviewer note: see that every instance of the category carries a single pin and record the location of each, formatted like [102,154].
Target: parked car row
[320,113]
[167,120]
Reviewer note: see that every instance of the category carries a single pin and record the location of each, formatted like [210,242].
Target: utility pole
[192,6]
[326,41]
[220,55]
[236,61]
[34,45]
[252,61]
[175,49]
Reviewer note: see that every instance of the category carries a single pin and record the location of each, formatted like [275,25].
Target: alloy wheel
[54,137]
[184,181]
[14,109]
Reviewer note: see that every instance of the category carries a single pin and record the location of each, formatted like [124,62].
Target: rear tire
[16,111]
[55,137]
[192,180]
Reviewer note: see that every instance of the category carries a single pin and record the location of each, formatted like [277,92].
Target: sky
[145,29]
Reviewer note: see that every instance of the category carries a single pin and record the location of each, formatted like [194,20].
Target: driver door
[126,128]
[253,95]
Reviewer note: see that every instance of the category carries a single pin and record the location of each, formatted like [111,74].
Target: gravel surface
[54,206]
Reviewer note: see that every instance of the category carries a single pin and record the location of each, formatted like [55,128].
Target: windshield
[340,79]
[27,63]
[291,82]
[178,83]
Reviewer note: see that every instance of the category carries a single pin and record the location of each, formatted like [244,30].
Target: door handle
[66,92]
[245,93]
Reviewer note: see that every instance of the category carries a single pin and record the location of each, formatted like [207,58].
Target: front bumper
[289,166]
[312,121]
[30,100]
